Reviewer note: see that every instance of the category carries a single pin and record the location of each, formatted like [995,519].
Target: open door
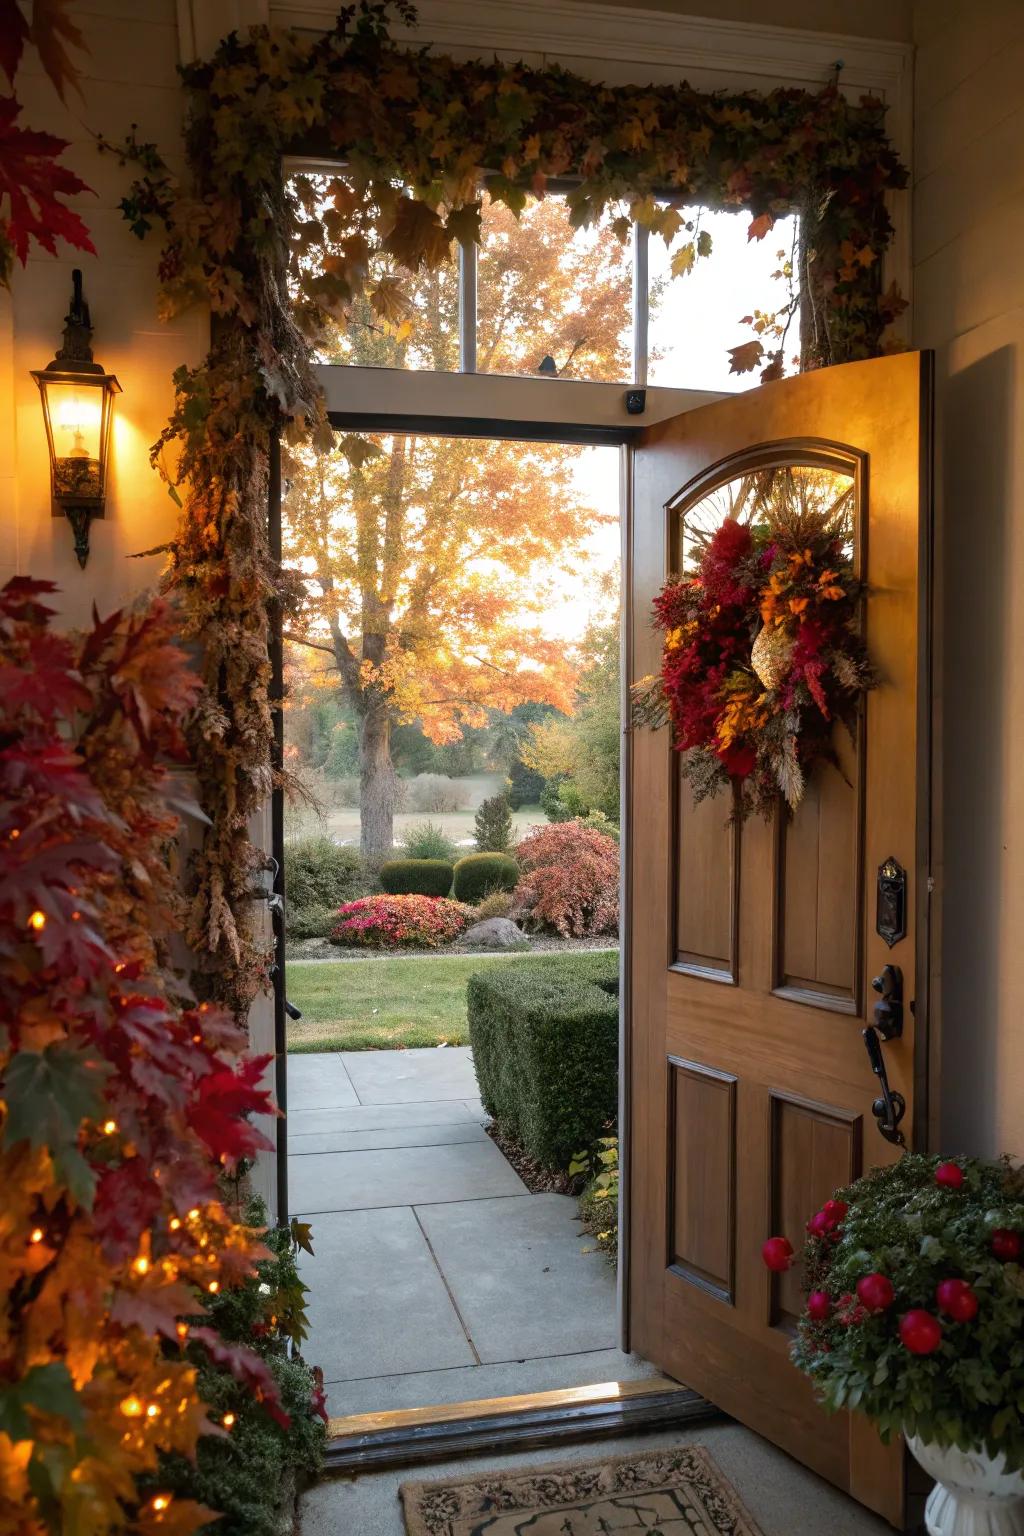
[753,947]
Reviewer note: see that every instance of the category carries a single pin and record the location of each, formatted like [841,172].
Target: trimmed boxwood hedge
[546,1051]
[416,877]
[478,874]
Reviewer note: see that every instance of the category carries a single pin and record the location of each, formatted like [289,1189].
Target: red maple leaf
[34,183]
[224,1096]
[245,1367]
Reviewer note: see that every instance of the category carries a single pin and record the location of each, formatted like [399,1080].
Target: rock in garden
[495,933]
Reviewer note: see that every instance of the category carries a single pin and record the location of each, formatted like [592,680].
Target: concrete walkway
[438,1277]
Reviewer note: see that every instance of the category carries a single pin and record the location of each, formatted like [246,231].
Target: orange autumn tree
[430,561]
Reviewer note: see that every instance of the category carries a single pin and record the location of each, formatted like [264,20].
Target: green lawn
[380,1004]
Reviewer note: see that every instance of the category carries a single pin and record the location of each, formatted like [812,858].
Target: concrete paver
[357,1181]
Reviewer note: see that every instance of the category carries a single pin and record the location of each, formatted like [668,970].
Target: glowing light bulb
[37,921]
[174,1223]
[228,1420]
[109,1127]
[141,1265]
[213,1287]
[131,1407]
[153,1411]
[193,1214]
[160,1501]
[181,1329]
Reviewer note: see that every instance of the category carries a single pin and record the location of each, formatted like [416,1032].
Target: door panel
[752,947]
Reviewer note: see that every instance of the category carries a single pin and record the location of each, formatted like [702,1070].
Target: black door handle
[888,1010]
[890,1108]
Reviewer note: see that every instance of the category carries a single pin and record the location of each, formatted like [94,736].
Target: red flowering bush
[915,1311]
[570,880]
[391,922]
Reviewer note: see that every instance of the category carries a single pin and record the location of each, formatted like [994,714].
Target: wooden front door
[753,947]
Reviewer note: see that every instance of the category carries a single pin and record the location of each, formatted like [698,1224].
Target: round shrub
[424,840]
[416,877]
[497,904]
[570,880]
[392,922]
[478,874]
[317,872]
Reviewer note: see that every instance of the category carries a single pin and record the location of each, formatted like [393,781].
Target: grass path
[393,1001]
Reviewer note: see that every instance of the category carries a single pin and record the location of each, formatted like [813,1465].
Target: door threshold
[366,1442]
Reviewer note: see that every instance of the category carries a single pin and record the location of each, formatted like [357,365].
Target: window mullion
[468,252]
[641,309]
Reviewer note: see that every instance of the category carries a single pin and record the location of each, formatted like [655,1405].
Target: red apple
[819,1306]
[777,1254]
[876,1292]
[1006,1244]
[949,1176]
[920,1332]
[957,1300]
[835,1210]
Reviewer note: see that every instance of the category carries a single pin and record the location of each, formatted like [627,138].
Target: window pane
[548,291]
[694,318]
[398,320]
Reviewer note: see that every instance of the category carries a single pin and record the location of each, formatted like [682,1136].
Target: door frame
[569,411]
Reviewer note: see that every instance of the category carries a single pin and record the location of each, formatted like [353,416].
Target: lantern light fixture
[78,401]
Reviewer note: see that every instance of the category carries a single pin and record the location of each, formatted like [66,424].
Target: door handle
[890,1108]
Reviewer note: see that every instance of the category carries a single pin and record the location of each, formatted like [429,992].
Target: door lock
[888,1010]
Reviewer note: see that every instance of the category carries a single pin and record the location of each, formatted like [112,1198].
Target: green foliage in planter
[599,1202]
[901,1223]
[318,877]
[251,1472]
[416,877]
[425,840]
[545,1048]
[492,825]
[478,874]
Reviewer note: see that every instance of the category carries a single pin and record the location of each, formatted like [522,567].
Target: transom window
[538,297]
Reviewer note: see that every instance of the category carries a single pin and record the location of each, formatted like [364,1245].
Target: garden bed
[540,944]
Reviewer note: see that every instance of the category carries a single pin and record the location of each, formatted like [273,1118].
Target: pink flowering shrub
[570,880]
[389,922]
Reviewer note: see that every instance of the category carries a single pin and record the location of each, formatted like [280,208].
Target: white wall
[129,77]
[969,306]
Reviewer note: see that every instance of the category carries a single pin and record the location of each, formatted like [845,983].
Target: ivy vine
[420,137]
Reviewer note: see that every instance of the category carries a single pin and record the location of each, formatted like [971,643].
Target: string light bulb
[37,921]
[141,1265]
[213,1287]
[131,1407]
[228,1420]
[36,1235]
[160,1501]
[109,1127]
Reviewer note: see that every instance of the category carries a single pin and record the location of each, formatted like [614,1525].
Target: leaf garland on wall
[417,133]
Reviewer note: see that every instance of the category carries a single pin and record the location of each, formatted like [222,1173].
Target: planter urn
[974,1494]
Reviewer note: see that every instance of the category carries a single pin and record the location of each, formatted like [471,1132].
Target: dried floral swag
[281,265]
[763,650]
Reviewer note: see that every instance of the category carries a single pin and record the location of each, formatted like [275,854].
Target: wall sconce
[78,404]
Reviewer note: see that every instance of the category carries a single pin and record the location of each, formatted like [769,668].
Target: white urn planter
[974,1495]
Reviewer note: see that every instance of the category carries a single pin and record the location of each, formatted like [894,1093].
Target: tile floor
[437,1277]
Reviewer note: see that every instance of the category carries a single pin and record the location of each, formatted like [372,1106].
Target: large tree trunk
[378,784]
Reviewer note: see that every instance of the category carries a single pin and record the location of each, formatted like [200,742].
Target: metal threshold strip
[407,1436]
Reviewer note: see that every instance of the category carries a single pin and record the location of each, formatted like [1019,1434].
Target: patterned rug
[681,1492]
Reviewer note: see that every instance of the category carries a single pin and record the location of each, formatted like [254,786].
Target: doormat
[680,1491]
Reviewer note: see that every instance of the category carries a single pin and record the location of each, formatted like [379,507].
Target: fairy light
[193,1214]
[181,1329]
[174,1223]
[109,1127]
[153,1411]
[141,1265]
[37,921]
[132,1407]
[36,1235]
[160,1501]
[213,1287]
[228,1420]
